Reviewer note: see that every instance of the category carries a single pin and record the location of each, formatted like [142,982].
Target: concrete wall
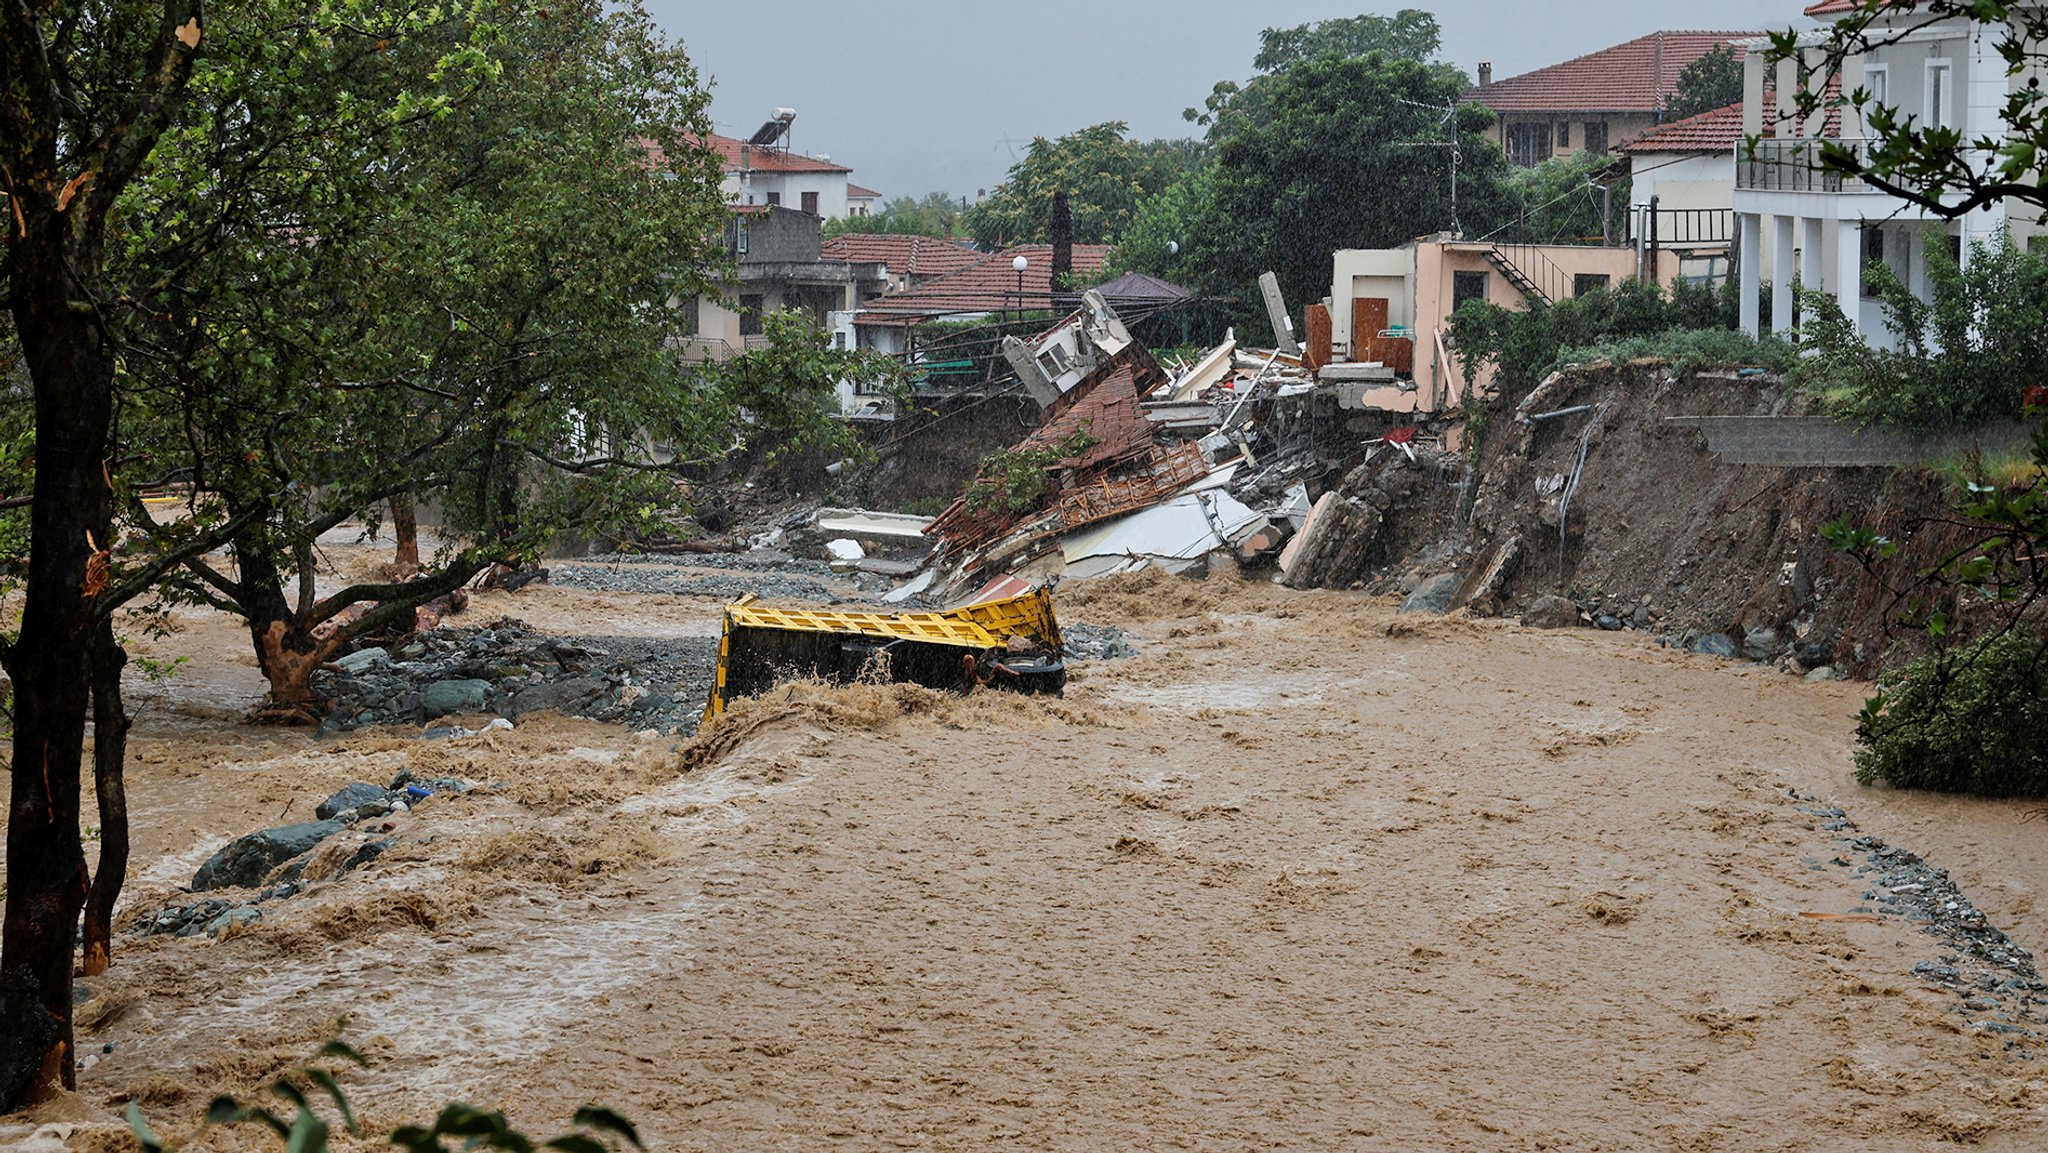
[790,187]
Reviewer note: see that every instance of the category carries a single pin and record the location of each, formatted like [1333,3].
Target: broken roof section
[991,284]
[1095,400]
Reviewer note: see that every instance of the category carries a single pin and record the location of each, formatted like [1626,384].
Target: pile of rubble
[508,669]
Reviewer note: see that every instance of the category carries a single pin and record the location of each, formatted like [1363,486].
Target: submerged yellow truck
[1013,643]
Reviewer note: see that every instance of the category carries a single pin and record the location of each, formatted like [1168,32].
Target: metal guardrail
[1792,165]
[1683,227]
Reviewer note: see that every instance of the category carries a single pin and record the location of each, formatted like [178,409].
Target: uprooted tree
[302,259]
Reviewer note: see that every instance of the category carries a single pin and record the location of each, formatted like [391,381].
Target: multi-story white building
[1824,229]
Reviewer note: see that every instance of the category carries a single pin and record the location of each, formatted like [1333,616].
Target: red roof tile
[766,159]
[856,192]
[989,285]
[1715,131]
[1638,76]
[1721,129]
[920,257]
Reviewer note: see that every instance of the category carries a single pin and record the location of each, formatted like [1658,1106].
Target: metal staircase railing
[1531,272]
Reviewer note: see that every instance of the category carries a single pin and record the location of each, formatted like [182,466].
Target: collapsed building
[1135,463]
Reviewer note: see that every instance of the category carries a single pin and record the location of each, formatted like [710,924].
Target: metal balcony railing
[1793,165]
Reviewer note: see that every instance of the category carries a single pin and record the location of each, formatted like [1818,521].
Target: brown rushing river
[1301,875]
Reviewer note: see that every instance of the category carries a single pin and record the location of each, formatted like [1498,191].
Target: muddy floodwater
[1302,874]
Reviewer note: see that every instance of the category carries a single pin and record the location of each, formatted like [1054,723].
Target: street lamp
[1020,264]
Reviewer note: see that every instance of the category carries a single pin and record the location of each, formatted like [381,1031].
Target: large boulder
[1551,611]
[247,860]
[454,696]
[352,799]
[1716,645]
[566,696]
[1433,595]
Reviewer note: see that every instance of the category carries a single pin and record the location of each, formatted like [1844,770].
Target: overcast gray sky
[922,95]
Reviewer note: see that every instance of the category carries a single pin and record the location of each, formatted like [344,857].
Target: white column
[1782,273]
[1848,285]
[1749,242]
[1753,94]
[1811,246]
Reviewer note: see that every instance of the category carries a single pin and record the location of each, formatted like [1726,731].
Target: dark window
[811,203]
[775,198]
[750,313]
[1528,144]
[1955,249]
[1585,282]
[1596,137]
[686,316]
[1564,134]
[1467,286]
[1873,256]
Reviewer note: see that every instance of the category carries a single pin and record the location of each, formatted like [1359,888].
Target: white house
[1682,192]
[1824,229]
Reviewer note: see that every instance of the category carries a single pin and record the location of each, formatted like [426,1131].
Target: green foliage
[783,395]
[1013,480]
[1687,349]
[414,250]
[1104,175]
[1335,153]
[1411,34]
[1709,82]
[1969,719]
[301,1128]
[1156,241]
[1962,357]
[1692,325]
[1561,199]
[936,214]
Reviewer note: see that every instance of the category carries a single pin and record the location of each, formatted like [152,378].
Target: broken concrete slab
[1183,529]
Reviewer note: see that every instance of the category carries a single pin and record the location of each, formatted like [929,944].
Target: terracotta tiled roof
[919,257]
[766,159]
[989,285]
[1721,129]
[856,192]
[1110,414]
[1638,76]
[1715,131]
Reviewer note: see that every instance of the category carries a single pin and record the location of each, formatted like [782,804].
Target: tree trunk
[69,525]
[288,649]
[110,723]
[405,525]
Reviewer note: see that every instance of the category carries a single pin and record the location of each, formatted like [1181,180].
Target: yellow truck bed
[761,645]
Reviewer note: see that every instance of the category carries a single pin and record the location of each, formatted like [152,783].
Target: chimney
[1486,73]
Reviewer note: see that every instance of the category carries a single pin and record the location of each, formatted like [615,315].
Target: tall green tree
[483,313]
[1713,80]
[1411,34]
[1103,173]
[1339,153]
[934,214]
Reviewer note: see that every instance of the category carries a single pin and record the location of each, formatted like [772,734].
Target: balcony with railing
[1792,164]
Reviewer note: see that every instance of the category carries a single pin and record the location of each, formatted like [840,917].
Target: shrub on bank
[1968,719]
